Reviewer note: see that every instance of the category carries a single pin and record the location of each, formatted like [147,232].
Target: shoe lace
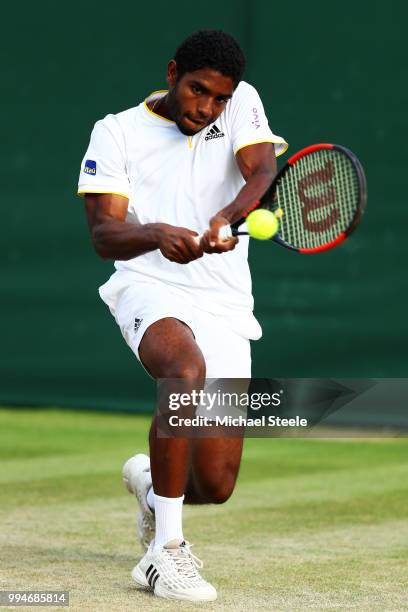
[186,562]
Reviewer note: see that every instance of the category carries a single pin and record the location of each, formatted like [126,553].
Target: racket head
[322,193]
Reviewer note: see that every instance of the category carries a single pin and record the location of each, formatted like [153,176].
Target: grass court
[313,524]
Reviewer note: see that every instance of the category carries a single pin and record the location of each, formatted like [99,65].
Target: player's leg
[173,352]
[215,461]
[168,351]
[156,323]
[214,469]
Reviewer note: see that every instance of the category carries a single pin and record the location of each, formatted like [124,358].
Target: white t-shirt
[181,180]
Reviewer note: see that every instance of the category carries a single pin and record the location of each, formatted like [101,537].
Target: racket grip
[225,233]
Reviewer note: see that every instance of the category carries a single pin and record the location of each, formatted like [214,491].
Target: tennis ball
[262,224]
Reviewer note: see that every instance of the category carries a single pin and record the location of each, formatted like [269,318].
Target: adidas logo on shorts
[214,132]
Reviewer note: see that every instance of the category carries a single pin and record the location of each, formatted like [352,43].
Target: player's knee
[193,370]
[219,491]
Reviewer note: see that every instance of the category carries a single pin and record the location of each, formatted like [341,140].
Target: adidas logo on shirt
[214,132]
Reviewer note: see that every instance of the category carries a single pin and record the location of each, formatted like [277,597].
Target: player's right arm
[104,183]
[114,238]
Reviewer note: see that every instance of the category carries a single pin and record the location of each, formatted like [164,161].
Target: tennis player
[181,164]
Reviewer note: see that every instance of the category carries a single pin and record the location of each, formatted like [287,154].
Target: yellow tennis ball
[262,224]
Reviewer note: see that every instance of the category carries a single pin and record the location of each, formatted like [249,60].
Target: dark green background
[326,72]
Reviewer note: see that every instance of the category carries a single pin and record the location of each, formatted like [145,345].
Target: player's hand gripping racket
[319,197]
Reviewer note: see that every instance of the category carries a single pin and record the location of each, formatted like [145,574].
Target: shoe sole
[126,470]
[140,461]
[165,594]
[140,579]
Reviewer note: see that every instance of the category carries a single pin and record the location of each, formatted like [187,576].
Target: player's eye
[222,100]
[196,89]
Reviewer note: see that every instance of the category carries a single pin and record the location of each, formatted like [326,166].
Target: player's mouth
[196,124]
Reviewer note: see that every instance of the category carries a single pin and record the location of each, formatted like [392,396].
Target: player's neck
[159,106]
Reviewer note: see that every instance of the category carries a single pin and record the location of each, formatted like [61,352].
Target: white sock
[150,499]
[168,513]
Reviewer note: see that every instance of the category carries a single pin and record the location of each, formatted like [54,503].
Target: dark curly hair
[211,49]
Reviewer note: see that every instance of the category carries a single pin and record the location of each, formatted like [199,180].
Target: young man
[181,164]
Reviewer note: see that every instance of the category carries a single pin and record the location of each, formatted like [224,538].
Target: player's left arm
[257,164]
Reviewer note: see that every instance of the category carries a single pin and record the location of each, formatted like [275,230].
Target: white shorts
[224,341]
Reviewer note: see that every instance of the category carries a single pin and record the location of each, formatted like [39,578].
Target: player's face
[198,98]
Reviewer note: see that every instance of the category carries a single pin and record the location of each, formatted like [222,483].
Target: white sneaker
[138,480]
[172,573]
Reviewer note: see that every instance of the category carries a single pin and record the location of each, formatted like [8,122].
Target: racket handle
[225,233]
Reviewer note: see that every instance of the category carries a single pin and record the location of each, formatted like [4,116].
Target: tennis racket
[318,196]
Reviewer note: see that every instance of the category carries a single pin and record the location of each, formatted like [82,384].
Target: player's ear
[172,73]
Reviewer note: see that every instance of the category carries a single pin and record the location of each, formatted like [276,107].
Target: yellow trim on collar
[152,112]
[82,193]
[285,146]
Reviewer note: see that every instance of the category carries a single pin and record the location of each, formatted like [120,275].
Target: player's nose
[205,109]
